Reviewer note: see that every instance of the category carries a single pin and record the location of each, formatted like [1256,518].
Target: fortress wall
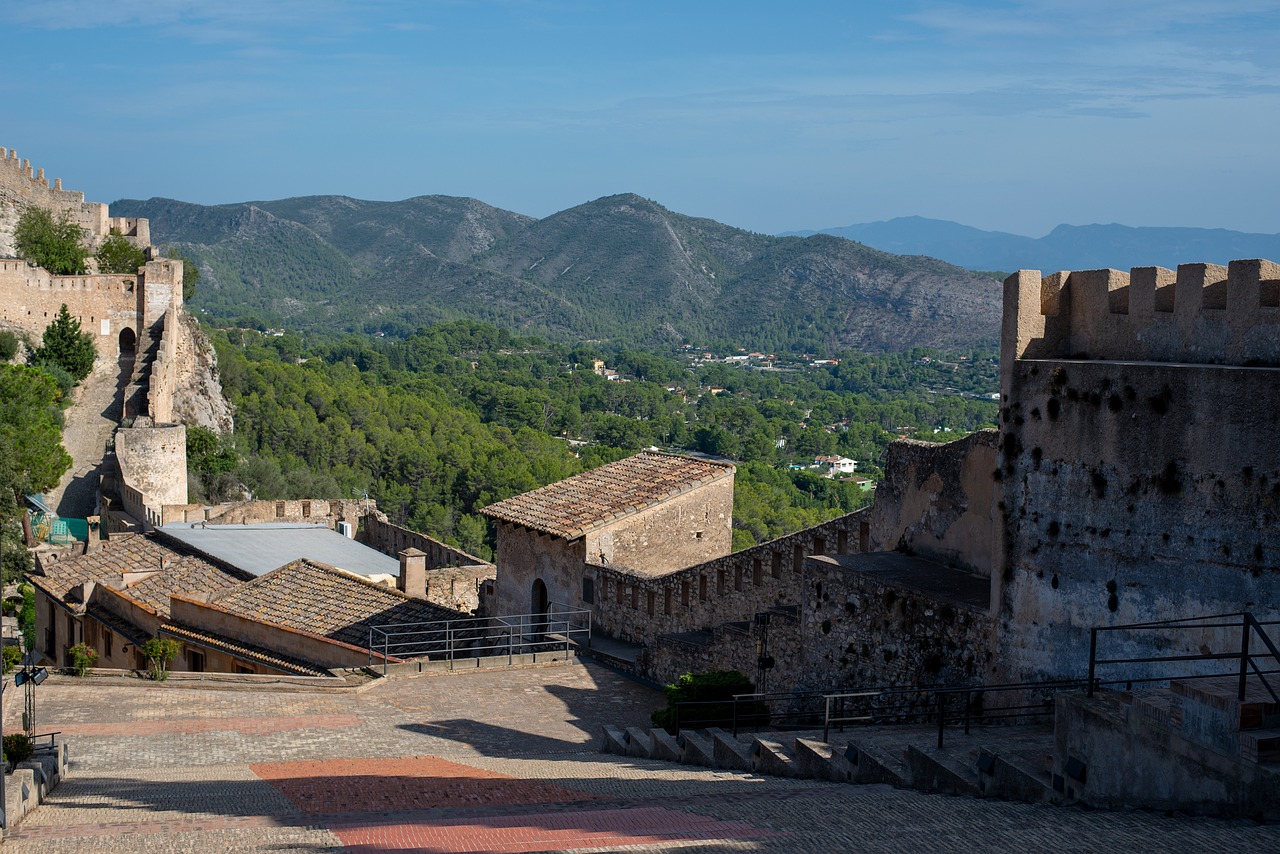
[1134,492]
[22,184]
[30,298]
[1202,314]
[164,371]
[636,606]
[393,539]
[939,501]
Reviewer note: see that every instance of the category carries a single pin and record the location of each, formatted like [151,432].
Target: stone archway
[128,342]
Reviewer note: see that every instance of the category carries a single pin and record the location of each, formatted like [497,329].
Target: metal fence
[560,627]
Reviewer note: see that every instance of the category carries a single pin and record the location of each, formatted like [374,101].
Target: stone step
[639,742]
[729,751]
[1221,695]
[1016,776]
[868,763]
[613,740]
[1260,745]
[774,757]
[818,760]
[696,748]
[664,746]
[944,770]
[1154,706]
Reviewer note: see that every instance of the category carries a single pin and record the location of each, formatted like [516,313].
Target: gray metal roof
[261,548]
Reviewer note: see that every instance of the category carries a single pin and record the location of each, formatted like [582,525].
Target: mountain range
[622,269]
[1067,247]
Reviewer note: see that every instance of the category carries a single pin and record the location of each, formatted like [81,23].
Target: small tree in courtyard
[66,346]
[159,652]
[54,242]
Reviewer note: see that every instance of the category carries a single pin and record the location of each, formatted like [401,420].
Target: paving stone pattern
[494,761]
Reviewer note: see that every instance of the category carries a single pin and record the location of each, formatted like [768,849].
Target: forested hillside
[621,269]
[462,414]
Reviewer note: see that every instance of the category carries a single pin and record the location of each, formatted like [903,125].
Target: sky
[1015,115]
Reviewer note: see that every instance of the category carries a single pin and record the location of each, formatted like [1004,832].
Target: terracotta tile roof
[311,597]
[183,572]
[248,652]
[576,505]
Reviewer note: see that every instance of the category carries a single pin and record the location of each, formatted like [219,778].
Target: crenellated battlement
[1201,314]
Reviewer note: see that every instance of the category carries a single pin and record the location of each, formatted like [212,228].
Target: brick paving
[500,761]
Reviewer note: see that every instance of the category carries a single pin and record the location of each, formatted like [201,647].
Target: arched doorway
[128,342]
[540,603]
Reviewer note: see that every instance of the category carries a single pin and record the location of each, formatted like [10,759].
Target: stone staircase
[1007,762]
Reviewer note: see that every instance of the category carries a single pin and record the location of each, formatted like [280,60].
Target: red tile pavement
[245,725]
[330,786]
[546,832]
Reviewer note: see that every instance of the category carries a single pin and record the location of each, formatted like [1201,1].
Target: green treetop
[54,242]
[66,346]
[118,255]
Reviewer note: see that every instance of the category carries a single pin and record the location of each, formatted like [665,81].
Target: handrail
[469,637]
[1245,621]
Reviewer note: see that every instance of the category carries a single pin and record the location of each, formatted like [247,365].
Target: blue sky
[1007,115]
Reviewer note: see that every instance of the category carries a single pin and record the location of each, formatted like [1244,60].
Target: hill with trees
[621,269]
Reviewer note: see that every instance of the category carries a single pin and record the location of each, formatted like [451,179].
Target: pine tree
[66,346]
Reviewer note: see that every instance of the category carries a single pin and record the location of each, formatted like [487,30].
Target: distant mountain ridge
[1067,247]
[620,268]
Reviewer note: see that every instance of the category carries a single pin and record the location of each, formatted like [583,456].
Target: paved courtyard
[500,761]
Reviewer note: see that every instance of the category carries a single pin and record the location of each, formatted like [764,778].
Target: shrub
[82,658]
[159,652]
[12,657]
[17,747]
[706,687]
[8,345]
[27,615]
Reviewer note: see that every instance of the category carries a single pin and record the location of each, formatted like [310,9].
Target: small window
[652,600]
[737,577]
[777,564]
[666,601]
[279,509]
[195,661]
[106,643]
[619,591]
[697,535]
[702,587]
[635,598]
[757,572]
[720,582]
[842,542]
[684,591]
[306,509]
[819,546]
[589,591]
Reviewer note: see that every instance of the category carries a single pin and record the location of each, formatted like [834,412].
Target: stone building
[652,512]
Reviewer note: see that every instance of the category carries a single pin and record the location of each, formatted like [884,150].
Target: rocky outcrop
[198,400]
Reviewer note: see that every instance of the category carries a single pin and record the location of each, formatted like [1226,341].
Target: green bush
[17,748]
[8,345]
[706,687]
[27,615]
[12,657]
[82,658]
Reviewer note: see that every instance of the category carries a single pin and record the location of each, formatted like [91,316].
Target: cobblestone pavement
[500,761]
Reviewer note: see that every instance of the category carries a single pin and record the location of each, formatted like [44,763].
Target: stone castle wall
[1140,476]
[392,539]
[1202,314]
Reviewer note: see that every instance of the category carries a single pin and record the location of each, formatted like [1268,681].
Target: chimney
[413,573]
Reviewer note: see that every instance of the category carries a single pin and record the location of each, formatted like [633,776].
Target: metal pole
[826,721]
[449,641]
[942,715]
[1093,657]
[1244,656]
[968,701]
[735,717]
[385,637]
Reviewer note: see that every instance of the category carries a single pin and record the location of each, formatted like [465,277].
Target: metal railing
[1244,663]
[477,637]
